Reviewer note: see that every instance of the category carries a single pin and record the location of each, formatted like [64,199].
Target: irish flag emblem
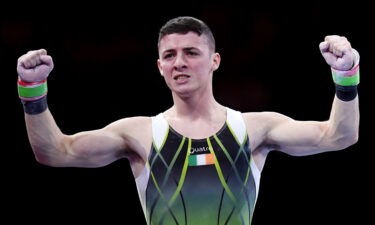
[201,160]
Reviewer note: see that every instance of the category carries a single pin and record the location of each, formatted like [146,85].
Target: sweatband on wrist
[346,93]
[35,107]
[31,91]
[346,78]
[346,81]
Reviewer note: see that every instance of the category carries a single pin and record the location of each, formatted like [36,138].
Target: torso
[220,175]
[143,138]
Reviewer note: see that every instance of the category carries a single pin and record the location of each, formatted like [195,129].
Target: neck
[200,105]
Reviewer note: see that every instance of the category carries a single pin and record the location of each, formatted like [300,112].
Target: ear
[159,66]
[216,61]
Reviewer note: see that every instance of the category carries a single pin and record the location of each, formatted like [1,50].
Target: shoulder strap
[237,125]
[160,129]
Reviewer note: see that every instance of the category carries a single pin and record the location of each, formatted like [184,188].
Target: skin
[194,104]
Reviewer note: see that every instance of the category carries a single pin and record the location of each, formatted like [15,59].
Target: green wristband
[32,91]
[345,79]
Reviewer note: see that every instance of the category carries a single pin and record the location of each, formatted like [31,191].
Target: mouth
[181,76]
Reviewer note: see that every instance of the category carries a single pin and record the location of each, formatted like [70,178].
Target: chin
[184,92]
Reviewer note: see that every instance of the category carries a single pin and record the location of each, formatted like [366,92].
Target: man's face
[186,62]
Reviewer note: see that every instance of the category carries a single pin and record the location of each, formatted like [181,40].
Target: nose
[180,63]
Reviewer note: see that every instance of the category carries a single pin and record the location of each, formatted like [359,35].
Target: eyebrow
[184,49]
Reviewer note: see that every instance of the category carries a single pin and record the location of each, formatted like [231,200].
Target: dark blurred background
[105,69]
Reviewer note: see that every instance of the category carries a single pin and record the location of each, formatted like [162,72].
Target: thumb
[47,60]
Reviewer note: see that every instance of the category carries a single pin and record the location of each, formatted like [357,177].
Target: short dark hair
[185,24]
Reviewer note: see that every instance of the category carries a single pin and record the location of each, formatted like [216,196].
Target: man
[198,162]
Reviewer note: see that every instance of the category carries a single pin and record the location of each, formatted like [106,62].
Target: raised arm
[85,149]
[311,137]
[52,147]
[341,130]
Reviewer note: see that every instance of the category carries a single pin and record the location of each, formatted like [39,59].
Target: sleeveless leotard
[210,181]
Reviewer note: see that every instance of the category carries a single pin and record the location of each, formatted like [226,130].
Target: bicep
[297,137]
[94,148]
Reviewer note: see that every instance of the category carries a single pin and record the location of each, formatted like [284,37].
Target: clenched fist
[337,52]
[34,66]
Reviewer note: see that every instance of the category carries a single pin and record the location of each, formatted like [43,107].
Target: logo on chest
[199,150]
[201,156]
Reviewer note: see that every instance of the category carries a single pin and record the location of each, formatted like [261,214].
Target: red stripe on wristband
[347,73]
[27,84]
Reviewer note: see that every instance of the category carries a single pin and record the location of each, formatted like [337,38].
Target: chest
[197,129]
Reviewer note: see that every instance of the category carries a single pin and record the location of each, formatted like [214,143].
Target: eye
[167,56]
[192,53]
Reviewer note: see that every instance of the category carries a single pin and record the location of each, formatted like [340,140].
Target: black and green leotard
[199,181]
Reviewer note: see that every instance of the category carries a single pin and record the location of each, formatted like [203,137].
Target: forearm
[45,137]
[343,124]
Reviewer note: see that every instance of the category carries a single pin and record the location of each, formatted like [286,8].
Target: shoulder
[130,124]
[264,118]
[136,133]
[258,125]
